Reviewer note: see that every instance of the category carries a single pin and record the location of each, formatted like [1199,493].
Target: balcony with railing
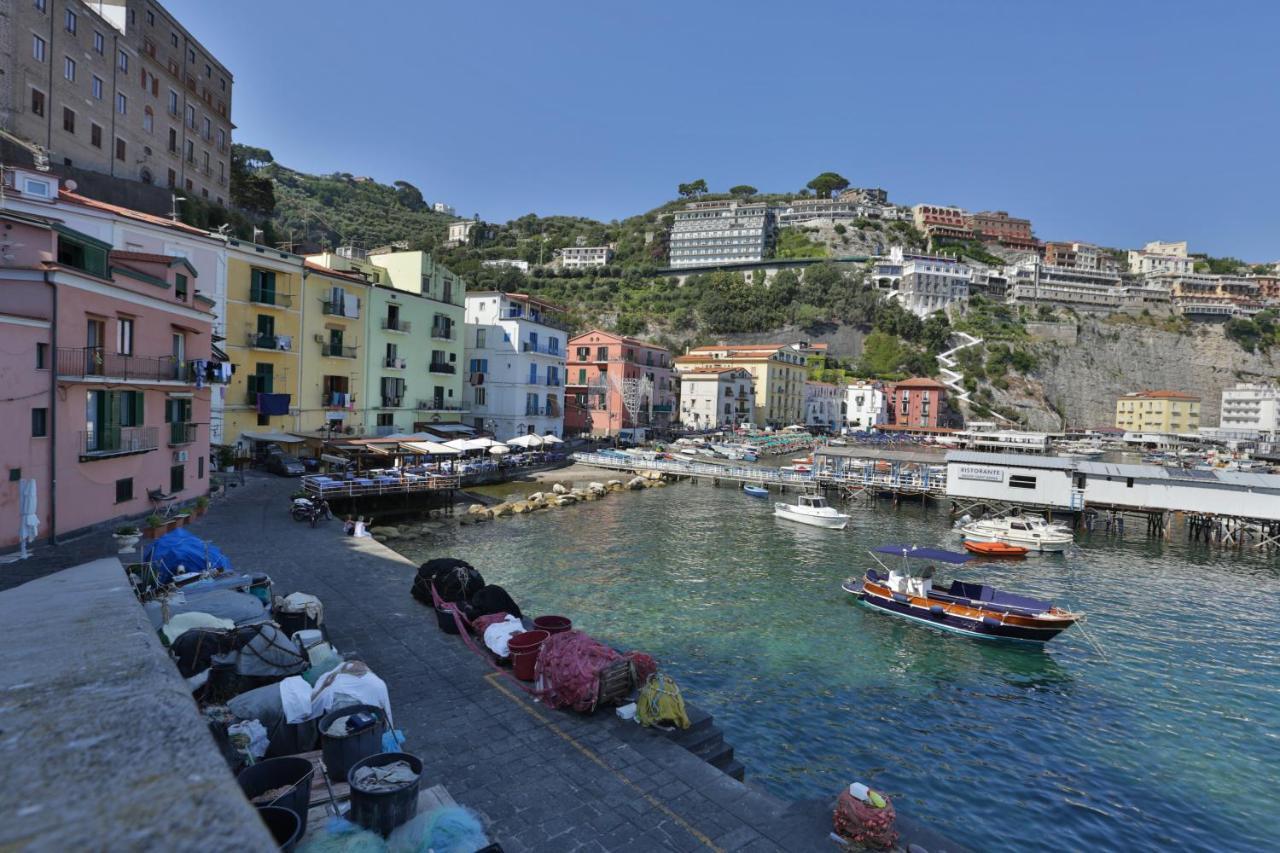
[553,321]
[182,433]
[544,348]
[337,400]
[106,442]
[394,325]
[443,333]
[391,402]
[96,362]
[393,362]
[441,367]
[553,382]
[347,310]
[437,406]
[262,340]
[531,411]
[332,350]
[270,298]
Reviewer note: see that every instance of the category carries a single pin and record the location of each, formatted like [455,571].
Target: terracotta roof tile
[85,201]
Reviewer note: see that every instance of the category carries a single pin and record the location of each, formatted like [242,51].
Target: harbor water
[1167,735]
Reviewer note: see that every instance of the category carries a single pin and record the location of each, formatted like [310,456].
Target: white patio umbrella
[499,449]
[552,439]
[526,441]
[431,448]
[457,444]
[481,443]
[28,509]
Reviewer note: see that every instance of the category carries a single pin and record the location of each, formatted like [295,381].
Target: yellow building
[263,328]
[777,376]
[1158,411]
[335,351]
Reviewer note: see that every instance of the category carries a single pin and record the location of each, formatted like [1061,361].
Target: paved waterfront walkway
[545,780]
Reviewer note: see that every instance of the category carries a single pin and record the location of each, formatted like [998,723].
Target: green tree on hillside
[409,195]
[743,190]
[692,189]
[249,190]
[828,183]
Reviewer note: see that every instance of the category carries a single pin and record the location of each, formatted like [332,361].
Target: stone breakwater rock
[521,507]
[560,489]
[636,483]
[613,483]
[536,497]
[595,485]
[387,532]
[476,509]
[502,510]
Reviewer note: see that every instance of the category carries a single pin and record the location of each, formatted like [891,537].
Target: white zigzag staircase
[954,379]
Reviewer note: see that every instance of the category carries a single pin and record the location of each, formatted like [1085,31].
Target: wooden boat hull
[994,549]
[970,621]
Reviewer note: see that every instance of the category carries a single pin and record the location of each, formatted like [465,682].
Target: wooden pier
[744,474]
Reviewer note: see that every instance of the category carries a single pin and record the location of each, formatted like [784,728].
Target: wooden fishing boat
[974,610]
[995,549]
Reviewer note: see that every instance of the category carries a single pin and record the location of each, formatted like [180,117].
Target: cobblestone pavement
[545,780]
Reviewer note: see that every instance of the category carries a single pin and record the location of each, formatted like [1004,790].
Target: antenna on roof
[173,212]
[257,233]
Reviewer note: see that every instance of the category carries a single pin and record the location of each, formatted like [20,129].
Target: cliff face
[1083,380]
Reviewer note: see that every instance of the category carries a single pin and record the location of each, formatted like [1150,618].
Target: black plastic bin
[285,825]
[342,751]
[274,773]
[384,811]
[293,738]
[444,618]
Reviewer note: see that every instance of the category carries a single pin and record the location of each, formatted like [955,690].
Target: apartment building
[1157,257]
[515,364]
[930,283]
[712,233]
[866,405]
[118,87]
[1253,407]
[806,209]
[603,369]
[108,372]
[1164,411]
[824,405]
[1079,256]
[712,397]
[582,257]
[777,375]
[997,226]
[872,196]
[935,221]
[1206,295]
[919,404]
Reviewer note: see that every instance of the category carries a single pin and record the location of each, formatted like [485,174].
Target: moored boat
[972,609]
[994,549]
[756,491]
[812,510]
[1035,534]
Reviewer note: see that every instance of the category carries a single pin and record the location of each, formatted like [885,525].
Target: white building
[1158,257]
[716,397]
[581,257]
[823,405]
[808,209]
[446,209]
[866,406]
[1253,407]
[930,283]
[515,352]
[506,263]
[460,231]
[709,233]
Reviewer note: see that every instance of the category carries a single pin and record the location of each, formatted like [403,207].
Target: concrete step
[720,756]
[699,742]
[736,770]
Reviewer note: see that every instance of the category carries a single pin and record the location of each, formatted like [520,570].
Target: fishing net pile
[570,665]
[660,703]
[866,824]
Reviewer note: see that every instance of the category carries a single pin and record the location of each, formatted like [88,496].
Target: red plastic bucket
[553,624]
[524,649]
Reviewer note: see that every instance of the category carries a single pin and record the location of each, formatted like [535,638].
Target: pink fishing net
[569,665]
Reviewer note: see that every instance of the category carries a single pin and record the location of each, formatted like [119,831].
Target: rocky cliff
[1079,383]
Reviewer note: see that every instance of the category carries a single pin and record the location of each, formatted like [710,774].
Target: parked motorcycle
[307,509]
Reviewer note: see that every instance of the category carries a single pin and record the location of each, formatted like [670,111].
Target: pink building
[919,405]
[106,370]
[596,366]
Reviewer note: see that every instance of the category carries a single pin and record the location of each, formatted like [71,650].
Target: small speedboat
[975,610]
[1035,534]
[756,491]
[812,510]
[995,549]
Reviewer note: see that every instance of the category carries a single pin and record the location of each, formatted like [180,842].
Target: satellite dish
[70,185]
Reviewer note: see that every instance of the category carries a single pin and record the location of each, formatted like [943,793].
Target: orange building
[598,368]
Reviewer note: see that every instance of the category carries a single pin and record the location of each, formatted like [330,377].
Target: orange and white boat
[995,549]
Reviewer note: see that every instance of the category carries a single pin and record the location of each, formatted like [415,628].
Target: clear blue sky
[1113,122]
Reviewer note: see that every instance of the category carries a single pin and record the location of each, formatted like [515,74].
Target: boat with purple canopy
[971,609]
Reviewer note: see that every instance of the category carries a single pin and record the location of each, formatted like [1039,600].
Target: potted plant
[127,538]
[157,526]
[179,518]
[202,505]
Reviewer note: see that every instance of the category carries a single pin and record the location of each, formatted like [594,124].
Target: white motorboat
[1033,533]
[812,510]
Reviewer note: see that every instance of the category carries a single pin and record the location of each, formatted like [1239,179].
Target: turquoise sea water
[1170,740]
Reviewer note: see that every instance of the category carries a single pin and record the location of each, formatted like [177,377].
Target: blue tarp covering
[182,548]
[917,553]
